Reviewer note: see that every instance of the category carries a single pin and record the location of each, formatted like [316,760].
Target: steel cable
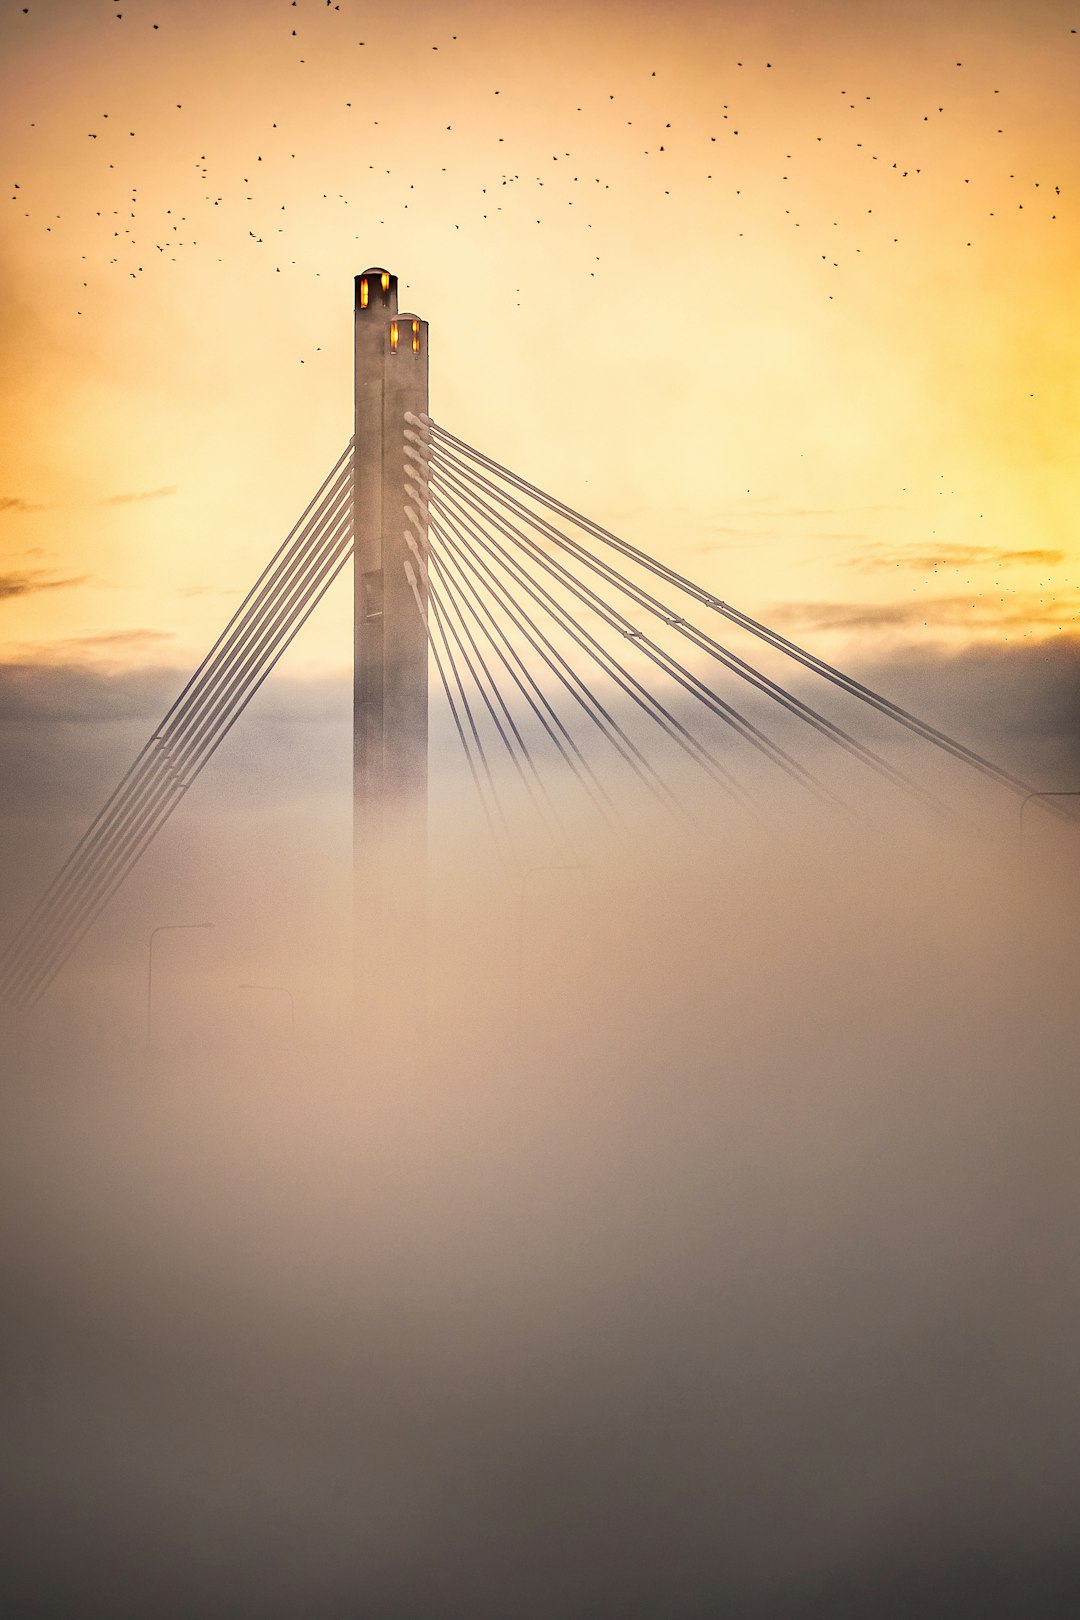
[590,702]
[530,689]
[616,671]
[145,795]
[535,787]
[730,660]
[505,854]
[808,660]
[150,828]
[564,672]
[309,558]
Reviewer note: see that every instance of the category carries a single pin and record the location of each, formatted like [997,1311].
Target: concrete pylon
[390,693]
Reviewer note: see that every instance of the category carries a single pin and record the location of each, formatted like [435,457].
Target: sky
[784,293]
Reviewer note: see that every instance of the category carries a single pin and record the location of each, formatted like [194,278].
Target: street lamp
[281,990]
[162,928]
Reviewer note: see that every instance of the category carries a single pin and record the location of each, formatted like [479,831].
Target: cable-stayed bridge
[567,659]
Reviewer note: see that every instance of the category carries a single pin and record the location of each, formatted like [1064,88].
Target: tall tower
[390,692]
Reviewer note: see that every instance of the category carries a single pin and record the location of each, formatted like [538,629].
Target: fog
[710,1250]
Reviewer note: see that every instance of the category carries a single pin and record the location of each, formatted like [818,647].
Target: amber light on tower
[393,334]
[386,281]
[416,337]
[364,293]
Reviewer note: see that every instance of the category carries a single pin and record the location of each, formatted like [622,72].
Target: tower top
[376,290]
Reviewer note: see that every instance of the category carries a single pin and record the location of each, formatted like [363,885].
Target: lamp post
[162,928]
[281,990]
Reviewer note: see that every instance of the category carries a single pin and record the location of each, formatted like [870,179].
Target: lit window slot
[386,281]
[416,337]
[363,292]
[393,336]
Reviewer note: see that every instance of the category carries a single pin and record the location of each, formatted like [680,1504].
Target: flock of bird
[644,159]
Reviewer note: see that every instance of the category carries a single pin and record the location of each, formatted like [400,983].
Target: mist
[710,1250]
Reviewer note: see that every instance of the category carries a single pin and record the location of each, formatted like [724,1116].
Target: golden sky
[784,293]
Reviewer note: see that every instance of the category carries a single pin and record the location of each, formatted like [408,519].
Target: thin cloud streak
[74,652]
[943,611]
[17,505]
[138,495]
[918,559]
[16,585]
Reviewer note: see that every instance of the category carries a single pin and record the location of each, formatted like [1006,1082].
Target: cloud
[138,495]
[12,585]
[116,638]
[75,653]
[875,559]
[739,537]
[1019,703]
[72,647]
[18,507]
[15,503]
[1020,612]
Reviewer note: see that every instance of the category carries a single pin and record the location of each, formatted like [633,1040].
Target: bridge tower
[390,689]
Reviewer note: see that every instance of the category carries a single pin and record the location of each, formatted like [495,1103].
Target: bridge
[573,666]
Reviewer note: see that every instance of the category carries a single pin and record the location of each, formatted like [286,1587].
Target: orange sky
[785,293]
